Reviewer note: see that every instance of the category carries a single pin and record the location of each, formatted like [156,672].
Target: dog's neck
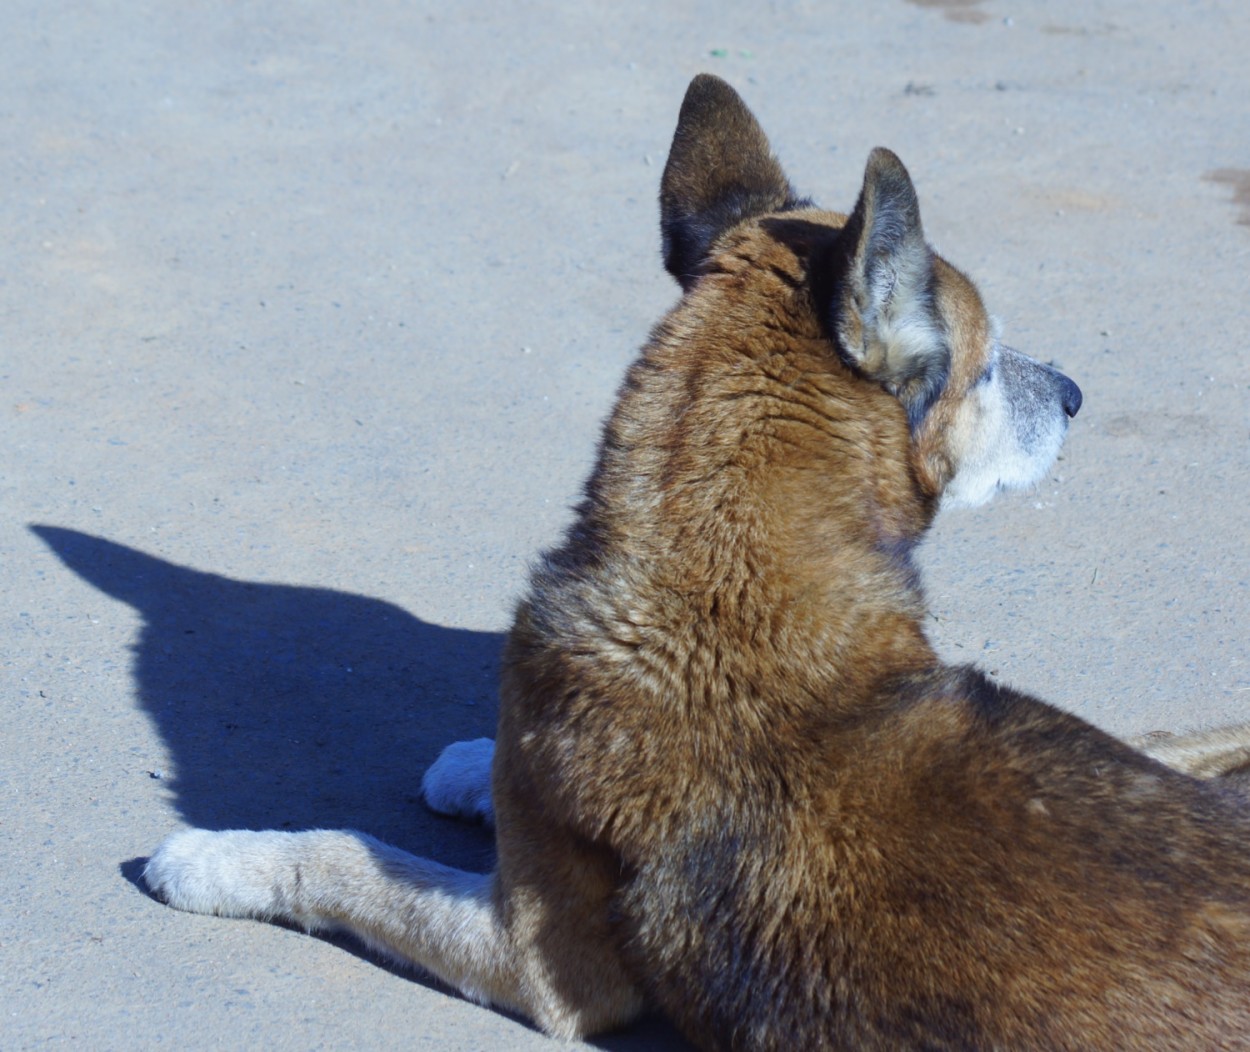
[753,480]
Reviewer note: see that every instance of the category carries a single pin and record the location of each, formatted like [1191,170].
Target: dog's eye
[987,374]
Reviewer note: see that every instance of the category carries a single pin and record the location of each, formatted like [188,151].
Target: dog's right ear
[720,171]
[880,305]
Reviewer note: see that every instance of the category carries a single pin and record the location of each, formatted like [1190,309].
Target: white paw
[458,782]
[231,874]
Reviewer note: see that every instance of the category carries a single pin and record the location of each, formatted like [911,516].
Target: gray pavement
[309,313]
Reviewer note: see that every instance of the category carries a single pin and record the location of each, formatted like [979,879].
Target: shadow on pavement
[286,707]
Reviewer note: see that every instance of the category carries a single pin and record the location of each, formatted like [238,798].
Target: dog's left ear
[720,171]
[880,307]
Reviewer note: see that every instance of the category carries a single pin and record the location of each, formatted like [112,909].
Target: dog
[732,780]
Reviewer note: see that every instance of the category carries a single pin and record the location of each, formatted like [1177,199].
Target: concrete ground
[311,312]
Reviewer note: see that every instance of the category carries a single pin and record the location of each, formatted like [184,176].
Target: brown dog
[732,777]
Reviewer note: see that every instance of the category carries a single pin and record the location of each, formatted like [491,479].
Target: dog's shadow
[286,707]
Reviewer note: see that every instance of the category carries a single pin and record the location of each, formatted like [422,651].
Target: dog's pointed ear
[720,171]
[882,307]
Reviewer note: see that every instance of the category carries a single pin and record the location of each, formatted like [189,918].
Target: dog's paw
[231,874]
[458,782]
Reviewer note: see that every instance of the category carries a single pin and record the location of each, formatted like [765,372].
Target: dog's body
[732,777]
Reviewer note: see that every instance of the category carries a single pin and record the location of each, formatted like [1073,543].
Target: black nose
[1070,394]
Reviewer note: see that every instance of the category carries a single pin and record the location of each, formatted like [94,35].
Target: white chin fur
[979,488]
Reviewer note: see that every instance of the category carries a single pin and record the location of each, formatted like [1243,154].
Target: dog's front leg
[410,908]
[540,948]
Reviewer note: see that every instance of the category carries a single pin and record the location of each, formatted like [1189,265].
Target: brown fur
[732,777]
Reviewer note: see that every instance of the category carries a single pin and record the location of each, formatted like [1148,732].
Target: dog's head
[982,416]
